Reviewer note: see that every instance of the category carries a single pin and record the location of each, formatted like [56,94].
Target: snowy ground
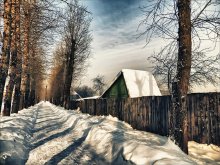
[46,134]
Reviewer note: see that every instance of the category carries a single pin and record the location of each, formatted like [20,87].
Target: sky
[116,44]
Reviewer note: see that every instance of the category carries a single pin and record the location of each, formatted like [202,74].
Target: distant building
[75,96]
[132,83]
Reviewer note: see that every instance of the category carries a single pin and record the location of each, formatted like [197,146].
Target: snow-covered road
[47,134]
[57,140]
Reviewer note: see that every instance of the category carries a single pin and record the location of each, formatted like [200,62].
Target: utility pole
[46,94]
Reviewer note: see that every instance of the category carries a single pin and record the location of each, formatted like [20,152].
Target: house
[132,83]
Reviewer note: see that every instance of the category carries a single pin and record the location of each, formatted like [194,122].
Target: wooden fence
[153,114]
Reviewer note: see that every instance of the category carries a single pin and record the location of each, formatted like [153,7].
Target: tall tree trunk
[31,95]
[28,85]
[16,99]
[10,80]
[4,63]
[183,74]
[68,74]
[32,91]
[25,62]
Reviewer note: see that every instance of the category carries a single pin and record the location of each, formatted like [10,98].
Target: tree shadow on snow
[71,148]
[63,133]
[58,157]
[4,121]
[55,123]
[42,116]
[118,138]
[48,120]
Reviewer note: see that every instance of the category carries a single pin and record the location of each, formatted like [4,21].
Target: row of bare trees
[29,27]
[72,53]
[22,62]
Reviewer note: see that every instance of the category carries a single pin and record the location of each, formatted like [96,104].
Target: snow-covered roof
[139,83]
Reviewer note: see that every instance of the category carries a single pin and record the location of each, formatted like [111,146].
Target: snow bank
[89,139]
[119,143]
[122,145]
[15,133]
[204,154]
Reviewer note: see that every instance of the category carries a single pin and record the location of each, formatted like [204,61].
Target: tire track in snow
[55,141]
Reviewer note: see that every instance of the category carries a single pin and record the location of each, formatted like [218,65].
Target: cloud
[109,62]
[116,34]
[115,10]
[115,44]
[115,22]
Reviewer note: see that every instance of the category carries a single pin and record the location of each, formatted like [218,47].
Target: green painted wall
[117,90]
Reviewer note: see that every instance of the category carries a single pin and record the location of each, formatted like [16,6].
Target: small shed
[132,83]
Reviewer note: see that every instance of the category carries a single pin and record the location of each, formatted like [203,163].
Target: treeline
[27,25]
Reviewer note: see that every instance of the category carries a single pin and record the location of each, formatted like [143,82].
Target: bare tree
[39,20]
[7,37]
[183,74]
[24,34]
[43,21]
[56,85]
[174,21]
[37,73]
[77,40]
[17,83]
[204,69]
[56,79]
[10,80]
[99,84]
[27,8]
[85,91]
